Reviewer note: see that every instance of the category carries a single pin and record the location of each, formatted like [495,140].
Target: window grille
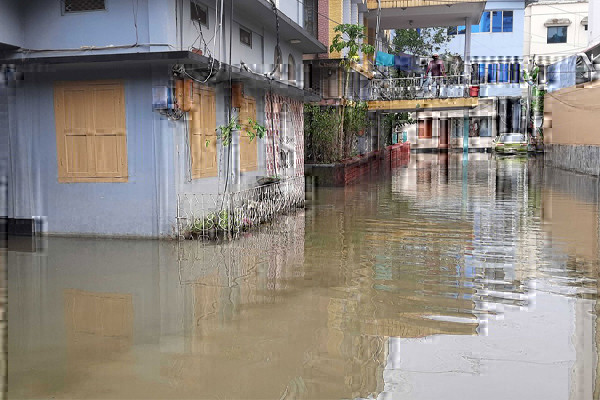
[83,5]
[199,13]
[246,37]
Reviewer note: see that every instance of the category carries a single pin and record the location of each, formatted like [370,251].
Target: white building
[555,29]
[594,23]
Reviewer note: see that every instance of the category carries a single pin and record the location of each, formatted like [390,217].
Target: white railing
[419,87]
[226,215]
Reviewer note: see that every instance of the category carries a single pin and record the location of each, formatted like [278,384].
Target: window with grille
[246,36]
[83,5]
[199,13]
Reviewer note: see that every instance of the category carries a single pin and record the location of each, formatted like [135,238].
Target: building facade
[493,59]
[116,110]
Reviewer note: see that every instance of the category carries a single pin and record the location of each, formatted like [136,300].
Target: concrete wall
[571,116]
[259,58]
[11,23]
[535,33]
[46,27]
[571,122]
[594,23]
[143,206]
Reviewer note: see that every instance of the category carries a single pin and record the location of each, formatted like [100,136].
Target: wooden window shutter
[90,131]
[108,130]
[203,138]
[248,149]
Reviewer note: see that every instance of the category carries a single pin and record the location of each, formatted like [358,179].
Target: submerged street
[444,279]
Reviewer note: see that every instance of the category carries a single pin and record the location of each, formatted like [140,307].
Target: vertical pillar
[467,73]
[234,150]
[467,50]
[466,131]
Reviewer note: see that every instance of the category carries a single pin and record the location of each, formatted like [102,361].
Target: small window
[585,27]
[246,37]
[199,13]
[557,34]
[291,69]
[451,30]
[507,21]
[83,5]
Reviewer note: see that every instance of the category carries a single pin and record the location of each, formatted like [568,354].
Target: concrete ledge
[584,159]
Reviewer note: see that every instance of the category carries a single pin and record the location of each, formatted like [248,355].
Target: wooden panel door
[248,149]
[203,137]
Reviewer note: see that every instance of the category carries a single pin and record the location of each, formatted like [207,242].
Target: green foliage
[354,34]
[391,121]
[227,130]
[355,119]
[255,130]
[423,43]
[320,127]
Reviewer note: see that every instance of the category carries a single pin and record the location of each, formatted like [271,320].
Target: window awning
[558,22]
[584,21]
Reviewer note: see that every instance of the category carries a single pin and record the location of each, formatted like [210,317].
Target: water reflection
[444,276]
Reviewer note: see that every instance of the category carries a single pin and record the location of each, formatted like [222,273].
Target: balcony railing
[373,4]
[419,87]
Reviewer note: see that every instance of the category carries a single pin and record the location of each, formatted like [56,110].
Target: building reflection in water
[326,303]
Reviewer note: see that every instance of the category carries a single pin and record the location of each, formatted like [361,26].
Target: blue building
[111,109]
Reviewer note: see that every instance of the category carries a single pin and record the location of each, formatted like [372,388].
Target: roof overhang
[262,11]
[451,14]
[197,65]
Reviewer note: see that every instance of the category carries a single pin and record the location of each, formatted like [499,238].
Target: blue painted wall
[11,23]
[495,43]
[140,207]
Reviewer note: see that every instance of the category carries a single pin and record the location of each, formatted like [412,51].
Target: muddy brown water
[446,279]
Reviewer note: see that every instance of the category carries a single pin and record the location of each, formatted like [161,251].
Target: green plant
[350,37]
[355,120]
[391,121]
[255,130]
[227,130]
[320,127]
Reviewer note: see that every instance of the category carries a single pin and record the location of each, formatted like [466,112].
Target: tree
[348,37]
[420,42]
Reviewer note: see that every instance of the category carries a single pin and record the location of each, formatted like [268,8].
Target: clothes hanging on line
[384,59]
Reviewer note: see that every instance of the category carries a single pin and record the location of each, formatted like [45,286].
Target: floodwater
[446,279]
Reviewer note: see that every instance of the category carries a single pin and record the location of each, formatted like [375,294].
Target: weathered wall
[143,206]
[572,115]
[578,158]
[11,23]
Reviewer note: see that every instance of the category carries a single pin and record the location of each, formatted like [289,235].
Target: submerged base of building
[226,215]
[584,159]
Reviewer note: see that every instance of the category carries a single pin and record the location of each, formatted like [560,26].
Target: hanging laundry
[403,62]
[384,59]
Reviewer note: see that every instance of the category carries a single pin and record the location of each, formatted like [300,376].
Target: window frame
[566,30]
[196,4]
[62,152]
[244,29]
[461,29]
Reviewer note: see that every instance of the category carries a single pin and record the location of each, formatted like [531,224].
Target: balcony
[421,93]
[403,14]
